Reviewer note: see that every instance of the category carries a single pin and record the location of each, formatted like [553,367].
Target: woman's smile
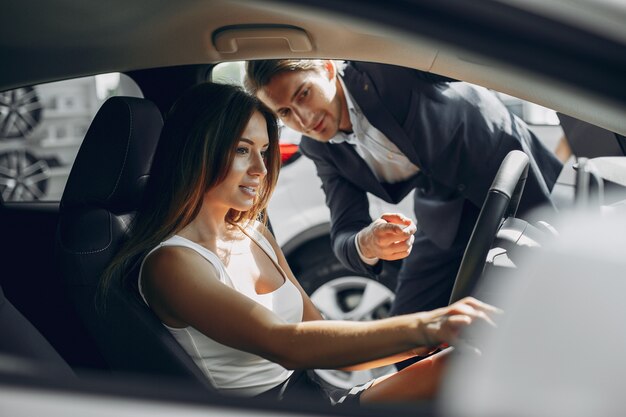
[251,191]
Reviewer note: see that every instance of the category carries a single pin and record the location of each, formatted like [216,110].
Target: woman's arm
[183,290]
[312,313]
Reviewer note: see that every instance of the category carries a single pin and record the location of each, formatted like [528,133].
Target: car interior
[53,252]
[103,190]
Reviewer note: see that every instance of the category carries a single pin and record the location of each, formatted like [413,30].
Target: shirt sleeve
[368,261]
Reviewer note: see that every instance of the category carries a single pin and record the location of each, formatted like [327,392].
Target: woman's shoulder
[171,260]
[171,276]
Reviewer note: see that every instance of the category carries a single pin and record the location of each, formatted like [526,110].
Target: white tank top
[232,371]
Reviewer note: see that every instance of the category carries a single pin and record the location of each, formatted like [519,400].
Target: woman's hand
[443,325]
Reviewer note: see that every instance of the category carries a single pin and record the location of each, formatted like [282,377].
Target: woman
[218,281]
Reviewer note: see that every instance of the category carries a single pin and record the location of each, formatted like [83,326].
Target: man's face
[310,102]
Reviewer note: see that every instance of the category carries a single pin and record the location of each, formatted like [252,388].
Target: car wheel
[340,294]
[20,112]
[23,177]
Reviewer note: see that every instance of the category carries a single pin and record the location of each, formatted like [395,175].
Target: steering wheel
[501,202]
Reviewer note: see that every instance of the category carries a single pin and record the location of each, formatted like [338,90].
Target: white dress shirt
[382,156]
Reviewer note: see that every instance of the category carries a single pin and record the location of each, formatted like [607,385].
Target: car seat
[103,191]
[26,351]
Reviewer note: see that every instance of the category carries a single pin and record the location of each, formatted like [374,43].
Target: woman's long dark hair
[194,154]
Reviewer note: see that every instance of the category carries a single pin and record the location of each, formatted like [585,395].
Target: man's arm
[349,209]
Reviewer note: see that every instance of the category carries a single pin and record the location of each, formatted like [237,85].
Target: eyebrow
[297,90]
[251,142]
[293,95]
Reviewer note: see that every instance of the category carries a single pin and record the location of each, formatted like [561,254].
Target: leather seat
[103,191]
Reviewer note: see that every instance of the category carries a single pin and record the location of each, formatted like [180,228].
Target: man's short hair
[259,73]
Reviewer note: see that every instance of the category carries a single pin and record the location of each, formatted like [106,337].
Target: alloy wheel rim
[353,298]
[22,176]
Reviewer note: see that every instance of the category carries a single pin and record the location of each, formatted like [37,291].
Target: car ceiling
[57,39]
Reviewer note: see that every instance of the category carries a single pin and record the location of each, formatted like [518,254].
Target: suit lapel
[365,94]
[350,163]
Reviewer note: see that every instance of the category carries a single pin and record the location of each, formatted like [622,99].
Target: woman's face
[247,172]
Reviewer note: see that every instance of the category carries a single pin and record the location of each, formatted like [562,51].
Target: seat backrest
[103,191]
[29,351]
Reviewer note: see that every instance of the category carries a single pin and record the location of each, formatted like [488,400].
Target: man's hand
[389,237]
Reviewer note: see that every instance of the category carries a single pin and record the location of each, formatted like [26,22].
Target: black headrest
[112,165]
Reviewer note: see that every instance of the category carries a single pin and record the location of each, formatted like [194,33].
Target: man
[388,130]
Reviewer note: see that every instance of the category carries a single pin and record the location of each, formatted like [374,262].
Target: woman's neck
[209,224]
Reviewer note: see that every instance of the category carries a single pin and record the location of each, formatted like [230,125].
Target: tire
[346,289]
[341,294]
[23,177]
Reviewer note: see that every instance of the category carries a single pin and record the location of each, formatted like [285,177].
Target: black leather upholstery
[28,350]
[103,191]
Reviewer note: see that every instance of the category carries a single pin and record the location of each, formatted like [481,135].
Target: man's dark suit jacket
[456,133]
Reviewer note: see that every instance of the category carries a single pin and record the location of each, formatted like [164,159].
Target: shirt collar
[354,114]
[352,106]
